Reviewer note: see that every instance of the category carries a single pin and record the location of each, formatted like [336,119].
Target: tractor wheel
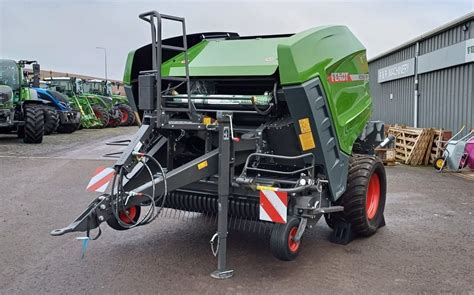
[67,128]
[131,217]
[101,114]
[51,120]
[364,199]
[128,117]
[282,244]
[439,163]
[115,117]
[34,125]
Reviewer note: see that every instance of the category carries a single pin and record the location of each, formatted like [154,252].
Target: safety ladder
[153,17]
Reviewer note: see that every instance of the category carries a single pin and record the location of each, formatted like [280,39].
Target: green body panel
[333,54]
[253,57]
[127,75]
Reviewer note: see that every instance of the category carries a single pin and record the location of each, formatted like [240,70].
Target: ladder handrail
[156,38]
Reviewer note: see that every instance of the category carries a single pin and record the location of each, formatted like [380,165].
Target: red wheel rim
[98,114]
[132,214]
[373,196]
[292,245]
[124,116]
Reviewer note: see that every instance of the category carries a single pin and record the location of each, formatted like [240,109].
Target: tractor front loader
[71,87]
[273,129]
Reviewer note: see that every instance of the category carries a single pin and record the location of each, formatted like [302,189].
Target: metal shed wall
[445,97]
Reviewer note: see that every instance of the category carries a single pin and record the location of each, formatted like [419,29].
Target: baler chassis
[235,168]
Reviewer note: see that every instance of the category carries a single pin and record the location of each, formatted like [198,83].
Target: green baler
[271,130]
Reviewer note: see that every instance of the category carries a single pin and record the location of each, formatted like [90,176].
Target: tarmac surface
[427,245]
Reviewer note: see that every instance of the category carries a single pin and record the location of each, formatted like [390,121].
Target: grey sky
[63,35]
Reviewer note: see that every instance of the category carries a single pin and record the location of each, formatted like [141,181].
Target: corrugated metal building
[427,81]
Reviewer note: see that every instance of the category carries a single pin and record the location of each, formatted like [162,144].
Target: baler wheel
[364,199]
[282,242]
[130,218]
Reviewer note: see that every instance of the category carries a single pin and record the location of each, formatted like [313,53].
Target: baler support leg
[223,189]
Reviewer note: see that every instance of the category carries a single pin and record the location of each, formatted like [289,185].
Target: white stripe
[264,215]
[102,188]
[96,178]
[276,202]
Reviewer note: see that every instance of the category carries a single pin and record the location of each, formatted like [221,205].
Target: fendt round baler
[273,129]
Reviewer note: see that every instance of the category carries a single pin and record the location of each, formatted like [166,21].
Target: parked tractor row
[33,108]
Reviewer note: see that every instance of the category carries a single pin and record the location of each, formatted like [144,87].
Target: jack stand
[223,190]
[343,233]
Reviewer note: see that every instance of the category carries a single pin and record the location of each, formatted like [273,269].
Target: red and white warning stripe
[101,179]
[273,206]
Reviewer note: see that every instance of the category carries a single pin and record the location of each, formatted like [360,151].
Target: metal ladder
[154,17]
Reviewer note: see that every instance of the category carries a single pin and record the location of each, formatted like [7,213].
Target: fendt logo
[470,50]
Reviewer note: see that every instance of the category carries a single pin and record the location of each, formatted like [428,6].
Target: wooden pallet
[411,144]
[387,155]
[439,136]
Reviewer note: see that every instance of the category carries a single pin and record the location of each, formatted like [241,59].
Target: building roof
[449,25]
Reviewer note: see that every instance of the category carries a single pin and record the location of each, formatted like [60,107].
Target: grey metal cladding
[392,101]
[448,37]
[446,98]
[309,101]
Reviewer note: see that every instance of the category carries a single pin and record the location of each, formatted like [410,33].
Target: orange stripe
[101,182]
[99,169]
[271,211]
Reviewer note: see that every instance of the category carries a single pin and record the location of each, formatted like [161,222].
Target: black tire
[280,240]
[34,125]
[101,114]
[115,117]
[437,165]
[51,120]
[128,116]
[20,132]
[67,128]
[113,223]
[366,178]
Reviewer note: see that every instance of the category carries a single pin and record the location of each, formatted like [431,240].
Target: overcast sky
[63,34]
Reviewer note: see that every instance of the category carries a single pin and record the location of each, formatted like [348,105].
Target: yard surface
[427,245]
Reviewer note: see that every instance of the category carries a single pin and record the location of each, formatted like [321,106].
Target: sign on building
[400,70]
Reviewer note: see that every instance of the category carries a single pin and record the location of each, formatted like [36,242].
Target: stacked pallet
[412,144]
[440,136]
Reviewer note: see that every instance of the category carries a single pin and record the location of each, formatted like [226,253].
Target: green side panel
[252,57]
[333,54]
[127,76]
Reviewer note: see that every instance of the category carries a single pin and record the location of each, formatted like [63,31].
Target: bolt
[102,206]
[101,218]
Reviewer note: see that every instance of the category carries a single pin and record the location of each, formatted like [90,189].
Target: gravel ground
[427,245]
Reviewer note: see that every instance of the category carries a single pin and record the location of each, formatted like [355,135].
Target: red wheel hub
[373,196]
[292,245]
[132,214]
[98,115]
[124,116]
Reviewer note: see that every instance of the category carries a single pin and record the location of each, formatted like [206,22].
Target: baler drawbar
[269,128]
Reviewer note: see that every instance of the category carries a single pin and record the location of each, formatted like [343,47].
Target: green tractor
[71,87]
[103,89]
[20,108]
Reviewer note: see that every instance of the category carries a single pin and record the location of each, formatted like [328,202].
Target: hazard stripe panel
[100,181]
[273,206]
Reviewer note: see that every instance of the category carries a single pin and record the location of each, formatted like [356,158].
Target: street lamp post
[105,55]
